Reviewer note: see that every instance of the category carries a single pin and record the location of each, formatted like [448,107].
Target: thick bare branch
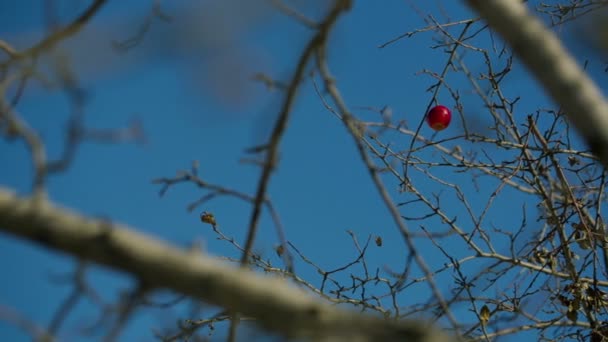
[272,302]
[553,66]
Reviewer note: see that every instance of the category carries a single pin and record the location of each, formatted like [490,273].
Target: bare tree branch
[57,36]
[273,303]
[553,66]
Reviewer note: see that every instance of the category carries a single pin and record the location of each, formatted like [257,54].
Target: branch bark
[273,303]
[541,51]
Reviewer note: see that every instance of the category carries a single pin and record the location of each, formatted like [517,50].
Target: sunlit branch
[275,305]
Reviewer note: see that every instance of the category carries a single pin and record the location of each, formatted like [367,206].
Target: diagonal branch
[59,35]
[272,302]
[553,66]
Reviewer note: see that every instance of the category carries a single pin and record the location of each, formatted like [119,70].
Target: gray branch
[272,302]
[541,51]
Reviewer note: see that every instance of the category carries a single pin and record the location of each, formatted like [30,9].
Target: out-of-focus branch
[553,66]
[274,304]
[37,333]
[287,10]
[280,126]
[17,127]
[57,36]
[272,148]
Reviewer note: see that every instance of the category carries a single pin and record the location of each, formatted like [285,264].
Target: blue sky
[196,101]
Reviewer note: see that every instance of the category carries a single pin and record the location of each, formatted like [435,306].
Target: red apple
[439,117]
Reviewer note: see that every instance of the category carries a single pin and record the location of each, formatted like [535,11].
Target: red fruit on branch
[439,117]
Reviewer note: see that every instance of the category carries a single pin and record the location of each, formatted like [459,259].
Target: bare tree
[542,272]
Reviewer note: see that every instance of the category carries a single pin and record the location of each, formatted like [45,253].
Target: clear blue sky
[198,104]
